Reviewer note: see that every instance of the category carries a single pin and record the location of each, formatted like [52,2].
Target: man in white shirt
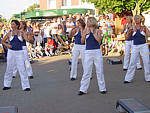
[69,25]
[46,32]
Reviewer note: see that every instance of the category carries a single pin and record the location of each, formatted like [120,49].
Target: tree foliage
[121,6]
[2,19]
[33,7]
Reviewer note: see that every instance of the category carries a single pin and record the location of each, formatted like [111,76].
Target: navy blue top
[92,43]
[139,38]
[16,43]
[24,43]
[78,38]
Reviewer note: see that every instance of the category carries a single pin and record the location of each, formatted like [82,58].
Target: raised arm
[98,35]
[73,32]
[6,37]
[147,31]
[129,33]
[83,33]
[24,36]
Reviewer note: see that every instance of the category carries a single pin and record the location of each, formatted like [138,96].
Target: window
[66,2]
[51,4]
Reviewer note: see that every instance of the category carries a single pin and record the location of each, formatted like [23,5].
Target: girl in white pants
[78,48]
[23,28]
[15,56]
[139,47]
[93,54]
[128,45]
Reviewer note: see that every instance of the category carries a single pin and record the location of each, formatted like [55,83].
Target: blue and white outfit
[93,54]
[78,49]
[15,56]
[139,46]
[128,46]
[27,61]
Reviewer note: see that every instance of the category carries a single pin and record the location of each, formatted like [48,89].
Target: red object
[114,16]
[51,43]
[123,21]
[48,49]
[134,105]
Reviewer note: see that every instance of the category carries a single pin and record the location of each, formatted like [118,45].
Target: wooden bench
[131,105]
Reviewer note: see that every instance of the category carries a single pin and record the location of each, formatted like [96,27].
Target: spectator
[51,45]
[39,49]
[46,32]
[124,20]
[48,51]
[69,25]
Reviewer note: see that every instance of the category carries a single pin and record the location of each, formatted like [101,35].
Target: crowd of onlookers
[51,37]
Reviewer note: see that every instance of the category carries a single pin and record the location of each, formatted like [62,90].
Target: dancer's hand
[9,46]
[144,29]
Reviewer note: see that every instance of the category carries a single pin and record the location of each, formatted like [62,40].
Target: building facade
[58,4]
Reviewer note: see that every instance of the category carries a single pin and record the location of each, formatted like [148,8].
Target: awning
[57,12]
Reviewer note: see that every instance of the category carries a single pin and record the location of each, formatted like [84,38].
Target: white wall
[51,4]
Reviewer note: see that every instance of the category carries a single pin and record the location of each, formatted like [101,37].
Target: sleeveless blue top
[91,42]
[78,38]
[16,43]
[139,38]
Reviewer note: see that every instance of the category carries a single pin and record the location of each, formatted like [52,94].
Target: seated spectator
[49,50]
[38,49]
[51,45]
[31,51]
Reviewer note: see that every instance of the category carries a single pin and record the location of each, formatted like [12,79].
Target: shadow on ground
[53,92]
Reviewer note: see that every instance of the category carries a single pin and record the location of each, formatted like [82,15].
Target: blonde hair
[93,21]
[130,18]
[138,16]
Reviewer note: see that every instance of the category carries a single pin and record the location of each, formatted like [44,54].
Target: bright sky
[10,7]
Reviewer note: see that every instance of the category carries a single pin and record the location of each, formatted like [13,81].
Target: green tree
[33,7]
[120,6]
[2,19]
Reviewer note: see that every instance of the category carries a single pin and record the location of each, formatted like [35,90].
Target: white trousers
[27,63]
[76,51]
[128,46]
[144,52]
[16,58]
[93,56]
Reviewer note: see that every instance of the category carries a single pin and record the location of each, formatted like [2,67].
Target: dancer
[15,56]
[93,54]
[23,28]
[139,34]
[78,48]
[128,45]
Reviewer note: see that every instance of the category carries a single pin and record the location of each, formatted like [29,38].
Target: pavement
[53,92]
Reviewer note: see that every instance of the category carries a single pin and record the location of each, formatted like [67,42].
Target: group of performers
[87,43]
